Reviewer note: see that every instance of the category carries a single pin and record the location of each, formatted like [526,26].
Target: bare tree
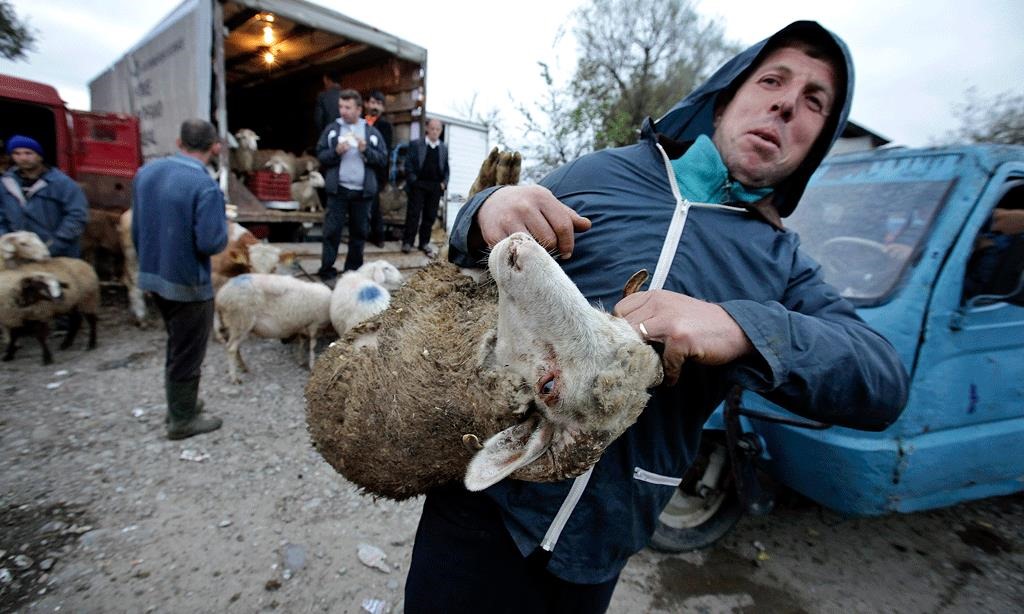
[17,38]
[491,118]
[639,57]
[636,59]
[558,134]
[999,119]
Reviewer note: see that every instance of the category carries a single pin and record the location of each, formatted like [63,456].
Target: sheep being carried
[516,375]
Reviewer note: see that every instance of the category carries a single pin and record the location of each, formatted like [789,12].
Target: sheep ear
[635,282]
[506,452]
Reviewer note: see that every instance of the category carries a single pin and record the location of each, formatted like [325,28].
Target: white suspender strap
[668,252]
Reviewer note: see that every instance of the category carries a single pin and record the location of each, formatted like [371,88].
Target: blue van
[904,234]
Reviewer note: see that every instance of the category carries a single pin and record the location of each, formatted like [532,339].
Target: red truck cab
[101,151]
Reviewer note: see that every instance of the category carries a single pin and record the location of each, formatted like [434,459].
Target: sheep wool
[444,386]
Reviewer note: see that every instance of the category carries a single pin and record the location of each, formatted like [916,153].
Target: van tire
[690,522]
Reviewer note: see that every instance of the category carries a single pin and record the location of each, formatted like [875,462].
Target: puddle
[984,539]
[724,579]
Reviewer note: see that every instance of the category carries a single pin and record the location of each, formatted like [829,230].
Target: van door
[968,386]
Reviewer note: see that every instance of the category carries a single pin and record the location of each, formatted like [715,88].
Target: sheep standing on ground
[305,192]
[273,307]
[80,297]
[523,364]
[360,295]
[21,246]
[27,300]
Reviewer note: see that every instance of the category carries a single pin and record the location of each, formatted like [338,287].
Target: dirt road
[100,513]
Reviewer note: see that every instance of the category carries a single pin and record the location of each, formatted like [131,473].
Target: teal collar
[703,177]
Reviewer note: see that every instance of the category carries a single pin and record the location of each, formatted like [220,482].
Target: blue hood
[695,114]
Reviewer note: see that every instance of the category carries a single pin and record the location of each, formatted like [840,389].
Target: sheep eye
[548,387]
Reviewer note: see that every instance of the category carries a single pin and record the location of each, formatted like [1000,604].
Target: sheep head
[383,273]
[583,374]
[38,287]
[22,246]
[247,139]
[316,180]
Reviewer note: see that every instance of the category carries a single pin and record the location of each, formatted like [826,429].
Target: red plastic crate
[268,185]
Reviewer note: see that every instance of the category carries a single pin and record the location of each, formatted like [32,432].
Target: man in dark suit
[425,181]
[326,110]
[375,117]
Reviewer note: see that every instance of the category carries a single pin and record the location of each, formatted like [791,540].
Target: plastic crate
[268,185]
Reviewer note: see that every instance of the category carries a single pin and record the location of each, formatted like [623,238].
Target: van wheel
[691,521]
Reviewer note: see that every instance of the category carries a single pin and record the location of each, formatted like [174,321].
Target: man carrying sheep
[699,201]
[178,222]
[41,199]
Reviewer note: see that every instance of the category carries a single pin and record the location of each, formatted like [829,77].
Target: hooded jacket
[813,354]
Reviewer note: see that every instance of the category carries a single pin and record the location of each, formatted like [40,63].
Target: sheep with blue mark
[360,295]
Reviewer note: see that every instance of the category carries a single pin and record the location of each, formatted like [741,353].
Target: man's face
[350,111]
[374,107]
[433,130]
[26,159]
[769,126]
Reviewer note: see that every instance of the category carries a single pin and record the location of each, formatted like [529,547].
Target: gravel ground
[100,513]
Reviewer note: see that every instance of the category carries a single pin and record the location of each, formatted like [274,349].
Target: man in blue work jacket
[700,201]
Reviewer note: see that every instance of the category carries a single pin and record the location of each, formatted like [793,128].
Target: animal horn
[635,282]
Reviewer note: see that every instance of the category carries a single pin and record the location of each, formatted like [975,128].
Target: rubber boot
[183,411]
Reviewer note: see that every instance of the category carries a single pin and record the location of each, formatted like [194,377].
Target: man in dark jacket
[178,222]
[326,109]
[700,201]
[425,180]
[350,151]
[375,117]
[41,199]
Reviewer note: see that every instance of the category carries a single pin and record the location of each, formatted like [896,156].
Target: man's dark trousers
[424,198]
[353,207]
[188,331]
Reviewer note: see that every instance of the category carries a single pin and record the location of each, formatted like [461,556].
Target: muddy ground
[100,513]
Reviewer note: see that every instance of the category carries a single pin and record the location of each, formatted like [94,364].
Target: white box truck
[258,64]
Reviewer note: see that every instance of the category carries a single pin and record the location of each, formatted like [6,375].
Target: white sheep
[20,247]
[242,158]
[79,296]
[276,161]
[273,307]
[522,363]
[305,192]
[360,295]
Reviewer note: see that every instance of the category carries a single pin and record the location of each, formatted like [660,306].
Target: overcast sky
[914,59]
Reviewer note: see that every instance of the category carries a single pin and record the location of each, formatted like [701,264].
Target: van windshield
[865,221]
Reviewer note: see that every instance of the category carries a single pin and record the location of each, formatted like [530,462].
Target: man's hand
[361,142]
[341,147]
[689,329]
[531,209]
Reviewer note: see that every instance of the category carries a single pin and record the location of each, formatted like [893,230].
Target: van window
[997,260]
[865,221]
